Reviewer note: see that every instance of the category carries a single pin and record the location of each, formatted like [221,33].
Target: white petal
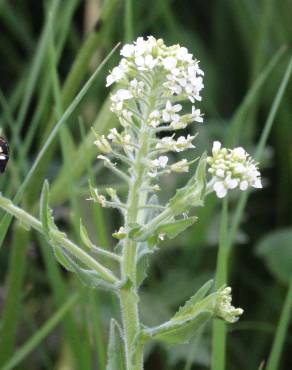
[169,63]
[243,185]
[258,184]
[239,152]
[163,161]
[216,147]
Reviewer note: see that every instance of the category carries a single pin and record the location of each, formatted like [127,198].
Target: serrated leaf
[276,251]
[197,297]
[115,352]
[182,332]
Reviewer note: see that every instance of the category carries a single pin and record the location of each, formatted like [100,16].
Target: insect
[4,154]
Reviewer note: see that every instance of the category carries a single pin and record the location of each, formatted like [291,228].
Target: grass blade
[41,334]
[279,340]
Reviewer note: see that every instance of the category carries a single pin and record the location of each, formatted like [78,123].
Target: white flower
[127,50]
[154,118]
[196,115]
[136,87]
[182,143]
[96,197]
[220,189]
[170,112]
[216,147]
[144,63]
[181,166]
[155,164]
[125,118]
[116,74]
[103,145]
[160,162]
[231,169]
[169,63]
[114,135]
[181,72]
[178,125]
[118,99]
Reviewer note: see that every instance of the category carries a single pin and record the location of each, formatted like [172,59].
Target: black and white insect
[4,154]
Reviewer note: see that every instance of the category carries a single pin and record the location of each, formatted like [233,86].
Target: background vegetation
[48,50]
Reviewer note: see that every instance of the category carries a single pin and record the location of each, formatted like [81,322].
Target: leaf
[197,297]
[142,266]
[84,236]
[181,332]
[182,326]
[276,251]
[169,230]
[172,229]
[115,352]
[61,256]
[192,194]
[152,212]
[45,211]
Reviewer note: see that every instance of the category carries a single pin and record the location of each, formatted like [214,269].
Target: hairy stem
[128,294]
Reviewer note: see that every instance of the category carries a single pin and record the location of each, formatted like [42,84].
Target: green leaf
[45,211]
[142,266]
[84,236]
[192,194]
[276,251]
[176,332]
[169,230]
[182,326]
[48,224]
[115,354]
[197,297]
[172,229]
[152,212]
[61,256]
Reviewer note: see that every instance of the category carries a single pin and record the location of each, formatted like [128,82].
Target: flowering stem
[219,327]
[128,294]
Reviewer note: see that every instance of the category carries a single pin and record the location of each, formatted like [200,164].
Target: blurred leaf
[276,251]
[142,266]
[84,236]
[115,355]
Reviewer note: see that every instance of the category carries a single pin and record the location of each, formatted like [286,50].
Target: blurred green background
[48,50]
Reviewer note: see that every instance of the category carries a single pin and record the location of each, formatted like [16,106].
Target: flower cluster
[153,80]
[232,168]
[224,308]
[178,75]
